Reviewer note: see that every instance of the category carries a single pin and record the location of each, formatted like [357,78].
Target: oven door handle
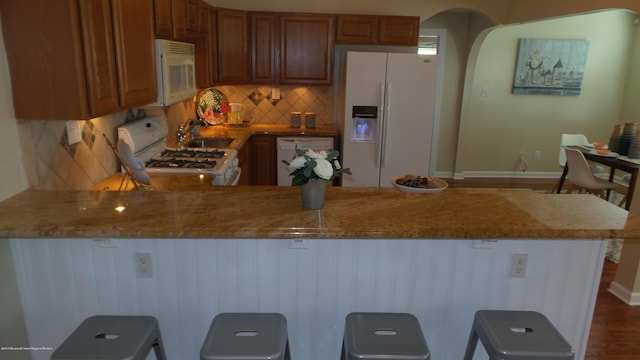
[235,177]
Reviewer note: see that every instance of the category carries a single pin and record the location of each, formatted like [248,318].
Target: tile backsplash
[52,164]
[262,108]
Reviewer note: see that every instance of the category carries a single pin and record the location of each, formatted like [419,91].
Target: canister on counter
[310,120]
[296,119]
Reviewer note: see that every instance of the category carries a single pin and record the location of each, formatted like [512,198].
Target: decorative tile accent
[256,96]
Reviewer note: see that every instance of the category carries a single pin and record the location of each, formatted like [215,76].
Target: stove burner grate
[181,163]
[198,154]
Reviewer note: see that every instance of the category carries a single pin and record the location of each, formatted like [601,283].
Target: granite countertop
[276,212]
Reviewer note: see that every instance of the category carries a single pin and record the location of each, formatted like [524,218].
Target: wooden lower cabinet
[263,160]
[244,163]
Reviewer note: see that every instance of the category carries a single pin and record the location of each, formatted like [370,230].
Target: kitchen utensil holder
[296,119]
[310,120]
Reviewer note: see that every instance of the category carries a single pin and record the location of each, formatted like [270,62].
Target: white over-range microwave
[175,64]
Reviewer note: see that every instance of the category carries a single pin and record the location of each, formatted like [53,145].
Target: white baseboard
[631,298]
[444,174]
[507,174]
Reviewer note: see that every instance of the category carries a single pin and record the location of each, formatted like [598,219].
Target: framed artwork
[550,67]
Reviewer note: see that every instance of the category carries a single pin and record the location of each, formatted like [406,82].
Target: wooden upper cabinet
[306,48]
[163,14]
[233,46]
[373,30]
[203,17]
[179,10]
[264,48]
[212,40]
[78,71]
[357,29]
[193,22]
[399,30]
[133,31]
[100,58]
[205,49]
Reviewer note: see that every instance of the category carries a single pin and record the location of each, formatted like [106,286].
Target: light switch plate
[275,93]
[74,131]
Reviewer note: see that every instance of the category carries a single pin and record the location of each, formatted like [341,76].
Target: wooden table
[614,164]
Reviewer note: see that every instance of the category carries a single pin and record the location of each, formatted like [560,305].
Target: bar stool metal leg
[517,335]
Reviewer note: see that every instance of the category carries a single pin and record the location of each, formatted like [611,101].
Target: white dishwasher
[287,151]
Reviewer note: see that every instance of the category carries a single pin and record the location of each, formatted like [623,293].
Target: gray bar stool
[113,338]
[517,335]
[373,336]
[247,336]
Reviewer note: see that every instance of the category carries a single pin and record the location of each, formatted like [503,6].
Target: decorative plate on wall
[212,106]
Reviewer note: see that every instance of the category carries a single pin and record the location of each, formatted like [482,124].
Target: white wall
[442,282]
[631,105]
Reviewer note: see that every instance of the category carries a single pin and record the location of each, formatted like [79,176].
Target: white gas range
[147,140]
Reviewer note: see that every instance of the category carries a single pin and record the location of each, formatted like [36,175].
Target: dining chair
[577,140]
[622,183]
[567,140]
[580,176]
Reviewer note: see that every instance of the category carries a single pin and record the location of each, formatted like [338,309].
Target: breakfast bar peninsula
[438,256]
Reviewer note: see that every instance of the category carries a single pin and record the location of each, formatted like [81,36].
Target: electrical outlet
[537,155]
[74,131]
[518,265]
[144,265]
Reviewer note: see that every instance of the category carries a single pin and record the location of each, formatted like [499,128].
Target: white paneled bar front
[442,282]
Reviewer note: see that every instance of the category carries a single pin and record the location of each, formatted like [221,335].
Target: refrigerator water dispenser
[365,123]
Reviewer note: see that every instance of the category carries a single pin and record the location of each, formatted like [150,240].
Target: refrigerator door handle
[385,125]
[380,125]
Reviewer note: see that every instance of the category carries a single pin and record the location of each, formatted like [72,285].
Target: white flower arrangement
[309,164]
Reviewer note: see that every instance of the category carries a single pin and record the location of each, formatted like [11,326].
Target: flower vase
[628,133]
[313,194]
[614,139]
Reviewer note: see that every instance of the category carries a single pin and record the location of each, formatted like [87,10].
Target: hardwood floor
[615,330]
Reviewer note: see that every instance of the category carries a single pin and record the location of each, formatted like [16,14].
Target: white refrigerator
[388,116]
